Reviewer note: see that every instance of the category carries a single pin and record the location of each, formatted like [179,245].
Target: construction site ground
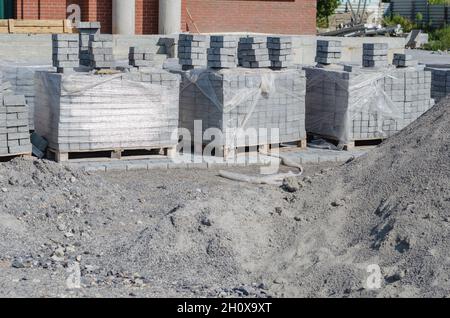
[189,232]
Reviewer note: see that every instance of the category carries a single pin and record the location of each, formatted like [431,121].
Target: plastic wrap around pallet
[85,112]
[238,100]
[21,77]
[364,104]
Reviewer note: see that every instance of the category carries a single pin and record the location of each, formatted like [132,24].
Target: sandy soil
[191,233]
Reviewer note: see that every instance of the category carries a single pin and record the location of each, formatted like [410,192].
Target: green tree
[325,8]
[439,1]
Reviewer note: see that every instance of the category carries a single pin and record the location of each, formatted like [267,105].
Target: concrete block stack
[328,52]
[375,54]
[253,52]
[223,52]
[101,51]
[440,82]
[160,77]
[19,78]
[361,105]
[192,51]
[85,30]
[66,55]
[133,111]
[409,89]
[404,60]
[3,130]
[213,100]
[280,52]
[141,57]
[14,129]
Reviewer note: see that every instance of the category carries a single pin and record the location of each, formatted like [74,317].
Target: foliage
[439,1]
[406,24]
[325,8]
[439,40]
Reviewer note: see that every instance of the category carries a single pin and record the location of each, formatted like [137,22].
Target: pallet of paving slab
[353,144]
[110,154]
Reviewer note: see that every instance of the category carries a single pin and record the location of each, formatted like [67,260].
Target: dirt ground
[106,222]
[190,233]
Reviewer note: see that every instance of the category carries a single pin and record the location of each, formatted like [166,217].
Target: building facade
[204,16]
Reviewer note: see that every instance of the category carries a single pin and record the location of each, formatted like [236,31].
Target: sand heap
[390,208]
[191,233]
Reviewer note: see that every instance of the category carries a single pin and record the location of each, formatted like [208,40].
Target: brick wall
[147,12]
[43,9]
[266,16]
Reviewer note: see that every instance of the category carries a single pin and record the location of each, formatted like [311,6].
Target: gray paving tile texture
[302,156]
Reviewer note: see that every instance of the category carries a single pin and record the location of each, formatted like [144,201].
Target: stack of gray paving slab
[66,55]
[253,52]
[20,79]
[223,52]
[328,52]
[363,104]
[404,60]
[83,112]
[375,54]
[160,77]
[192,51]
[232,99]
[85,29]
[14,130]
[280,52]
[440,82]
[101,51]
[141,57]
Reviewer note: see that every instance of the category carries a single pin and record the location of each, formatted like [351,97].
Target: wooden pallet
[354,144]
[12,26]
[299,144]
[8,157]
[110,154]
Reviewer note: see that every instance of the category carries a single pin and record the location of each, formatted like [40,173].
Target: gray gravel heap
[189,233]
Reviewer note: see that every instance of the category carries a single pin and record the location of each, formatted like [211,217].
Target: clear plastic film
[347,106]
[20,76]
[86,112]
[238,100]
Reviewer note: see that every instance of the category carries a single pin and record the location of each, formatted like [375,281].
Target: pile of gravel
[390,208]
[191,233]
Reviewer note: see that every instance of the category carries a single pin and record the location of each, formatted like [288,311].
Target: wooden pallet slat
[38,30]
[352,144]
[113,154]
[13,26]
[264,148]
[39,23]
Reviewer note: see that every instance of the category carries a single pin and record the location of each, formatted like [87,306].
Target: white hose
[275,179]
